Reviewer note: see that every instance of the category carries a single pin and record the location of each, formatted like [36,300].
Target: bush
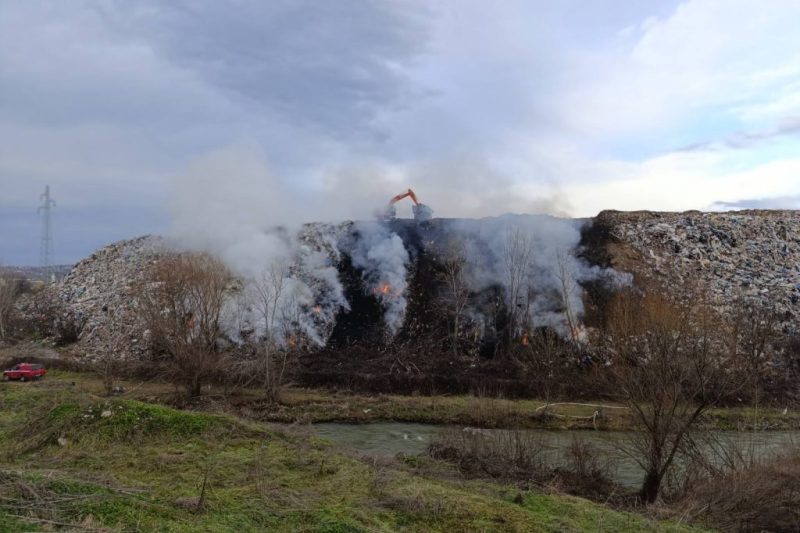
[41,314]
[501,454]
[762,495]
[586,472]
[521,457]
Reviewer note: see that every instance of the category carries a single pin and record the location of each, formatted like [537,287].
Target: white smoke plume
[550,294]
[229,203]
[383,258]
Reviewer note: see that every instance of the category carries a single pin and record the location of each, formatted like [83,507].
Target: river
[391,438]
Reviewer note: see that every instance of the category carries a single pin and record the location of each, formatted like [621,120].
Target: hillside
[75,461]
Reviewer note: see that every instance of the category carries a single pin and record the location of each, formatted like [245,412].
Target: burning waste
[373,282]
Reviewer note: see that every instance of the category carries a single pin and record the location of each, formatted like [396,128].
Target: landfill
[734,256]
[751,256]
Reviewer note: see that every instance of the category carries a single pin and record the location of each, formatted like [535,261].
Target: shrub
[760,495]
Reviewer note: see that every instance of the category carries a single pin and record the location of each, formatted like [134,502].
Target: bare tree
[108,362]
[517,257]
[544,358]
[455,296]
[568,287]
[270,290]
[667,367]
[182,308]
[753,332]
[10,290]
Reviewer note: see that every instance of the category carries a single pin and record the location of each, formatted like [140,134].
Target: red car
[25,372]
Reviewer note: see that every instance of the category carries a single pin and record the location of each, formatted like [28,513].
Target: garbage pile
[362,279]
[749,255]
[99,293]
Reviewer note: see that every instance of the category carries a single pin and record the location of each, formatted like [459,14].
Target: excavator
[421,211]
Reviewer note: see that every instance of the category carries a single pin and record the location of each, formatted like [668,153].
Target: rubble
[752,255]
[100,289]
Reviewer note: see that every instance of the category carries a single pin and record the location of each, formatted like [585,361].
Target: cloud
[336,66]
[707,65]
[780,202]
[104,100]
[516,106]
[683,181]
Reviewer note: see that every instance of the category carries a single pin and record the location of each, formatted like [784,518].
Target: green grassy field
[77,461]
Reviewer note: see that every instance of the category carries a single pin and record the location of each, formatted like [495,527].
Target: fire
[525,341]
[317,309]
[383,288]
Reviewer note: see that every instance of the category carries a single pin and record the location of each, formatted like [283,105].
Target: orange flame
[525,340]
[384,288]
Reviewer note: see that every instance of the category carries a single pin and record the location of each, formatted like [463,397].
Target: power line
[46,251]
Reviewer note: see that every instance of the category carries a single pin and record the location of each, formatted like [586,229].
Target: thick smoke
[544,247]
[383,259]
[229,203]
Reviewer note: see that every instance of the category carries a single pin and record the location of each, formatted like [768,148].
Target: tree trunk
[195,387]
[455,336]
[650,487]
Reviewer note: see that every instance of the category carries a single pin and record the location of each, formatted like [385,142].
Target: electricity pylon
[46,251]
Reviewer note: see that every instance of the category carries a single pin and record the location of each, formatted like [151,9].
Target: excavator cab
[421,211]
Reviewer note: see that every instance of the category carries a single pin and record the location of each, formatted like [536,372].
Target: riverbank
[314,406]
[308,406]
[77,461]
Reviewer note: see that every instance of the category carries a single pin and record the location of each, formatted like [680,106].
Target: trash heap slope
[100,290]
[751,255]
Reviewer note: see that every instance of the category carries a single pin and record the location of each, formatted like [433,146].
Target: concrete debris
[752,255]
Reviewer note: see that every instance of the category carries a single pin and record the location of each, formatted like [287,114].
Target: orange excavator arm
[421,212]
[408,194]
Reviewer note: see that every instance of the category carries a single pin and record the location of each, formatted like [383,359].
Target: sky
[136,111]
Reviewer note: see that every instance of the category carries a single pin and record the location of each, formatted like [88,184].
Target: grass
[323,406]
[72,459]
[314,406]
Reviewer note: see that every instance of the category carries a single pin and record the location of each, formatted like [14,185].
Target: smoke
[455,187]
[543,249]
[231,204]
[383,258]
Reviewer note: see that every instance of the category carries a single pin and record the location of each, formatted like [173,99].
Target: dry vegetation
[182,308]
[661,367]
[745,494]
[669,367]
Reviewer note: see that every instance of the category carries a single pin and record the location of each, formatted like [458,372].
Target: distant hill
[33,273]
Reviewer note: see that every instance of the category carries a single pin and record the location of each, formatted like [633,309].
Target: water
[391,438]
[381,438]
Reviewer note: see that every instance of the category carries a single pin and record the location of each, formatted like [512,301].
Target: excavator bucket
[422,212]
